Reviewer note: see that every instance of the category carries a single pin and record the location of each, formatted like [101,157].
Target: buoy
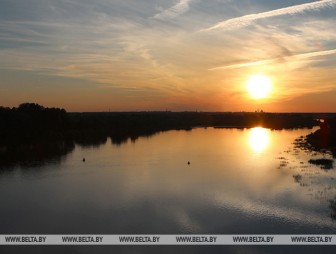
[188,162]
[83,159]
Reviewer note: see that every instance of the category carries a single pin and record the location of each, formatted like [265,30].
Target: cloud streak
[181,7]
[268,61]
[246,20]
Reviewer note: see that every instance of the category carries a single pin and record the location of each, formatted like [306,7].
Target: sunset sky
[131,55]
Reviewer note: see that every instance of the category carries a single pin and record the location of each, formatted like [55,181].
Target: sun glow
[259,86]
[258,139]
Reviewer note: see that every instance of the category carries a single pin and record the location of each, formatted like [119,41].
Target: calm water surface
[238,181]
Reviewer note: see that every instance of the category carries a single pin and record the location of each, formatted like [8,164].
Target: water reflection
[259,139]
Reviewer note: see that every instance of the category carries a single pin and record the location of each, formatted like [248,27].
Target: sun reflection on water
[258,139]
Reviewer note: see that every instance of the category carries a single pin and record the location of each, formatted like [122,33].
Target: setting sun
[259,86]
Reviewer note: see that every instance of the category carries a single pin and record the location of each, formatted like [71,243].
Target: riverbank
[325,137]
[31,130]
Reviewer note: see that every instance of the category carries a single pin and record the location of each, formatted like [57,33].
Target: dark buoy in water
[83,159]
[188,162]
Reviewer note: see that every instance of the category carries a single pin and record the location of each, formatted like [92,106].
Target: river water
[238,181]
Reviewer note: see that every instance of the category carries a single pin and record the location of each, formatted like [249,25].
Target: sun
[259,86]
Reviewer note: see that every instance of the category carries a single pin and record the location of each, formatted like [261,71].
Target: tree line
[33,130]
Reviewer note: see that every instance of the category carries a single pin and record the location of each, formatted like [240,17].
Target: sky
[178,55]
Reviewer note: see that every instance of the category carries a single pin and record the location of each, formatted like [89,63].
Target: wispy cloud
[117,53]
[179,8]
[268,61]
[248,19]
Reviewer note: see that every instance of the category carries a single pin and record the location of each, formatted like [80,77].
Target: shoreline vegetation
[32,132]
